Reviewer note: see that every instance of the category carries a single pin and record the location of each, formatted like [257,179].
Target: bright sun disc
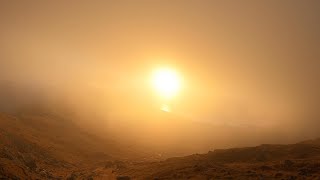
[166,82]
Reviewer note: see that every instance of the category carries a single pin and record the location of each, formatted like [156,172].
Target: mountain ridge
[50,146]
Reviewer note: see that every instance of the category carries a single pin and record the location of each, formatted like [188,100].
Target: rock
[109,164]
[265,168]
[278,175]
[304,172]
[43,173]
[198,168]
[115,164]
[261,157]
[288,163]
[292,177]
[3,177]
[119,164]
[6,154]
[30,162]
[123,178]
[73,176]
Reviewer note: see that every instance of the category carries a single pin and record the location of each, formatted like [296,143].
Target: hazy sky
[252,63]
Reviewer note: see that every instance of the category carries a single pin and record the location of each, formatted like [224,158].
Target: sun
[166,82]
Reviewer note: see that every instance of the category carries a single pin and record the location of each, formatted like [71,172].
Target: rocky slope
[48,146]
[51,147]
[294,161]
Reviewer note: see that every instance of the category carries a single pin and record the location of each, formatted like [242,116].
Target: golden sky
[242,62]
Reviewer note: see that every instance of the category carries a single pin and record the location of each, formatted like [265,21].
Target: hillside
[51,147]
[293,161]
[48,146]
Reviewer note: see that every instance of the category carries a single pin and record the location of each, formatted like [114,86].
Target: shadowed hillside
[51,147]
[294,161]
[47,146]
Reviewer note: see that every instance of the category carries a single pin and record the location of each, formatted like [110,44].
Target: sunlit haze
[166,77]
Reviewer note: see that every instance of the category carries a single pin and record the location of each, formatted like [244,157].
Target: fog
[250,69]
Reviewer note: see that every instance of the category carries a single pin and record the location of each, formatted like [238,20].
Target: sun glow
[166,82]
[165,108]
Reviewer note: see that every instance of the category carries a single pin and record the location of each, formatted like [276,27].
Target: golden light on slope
[166,82]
